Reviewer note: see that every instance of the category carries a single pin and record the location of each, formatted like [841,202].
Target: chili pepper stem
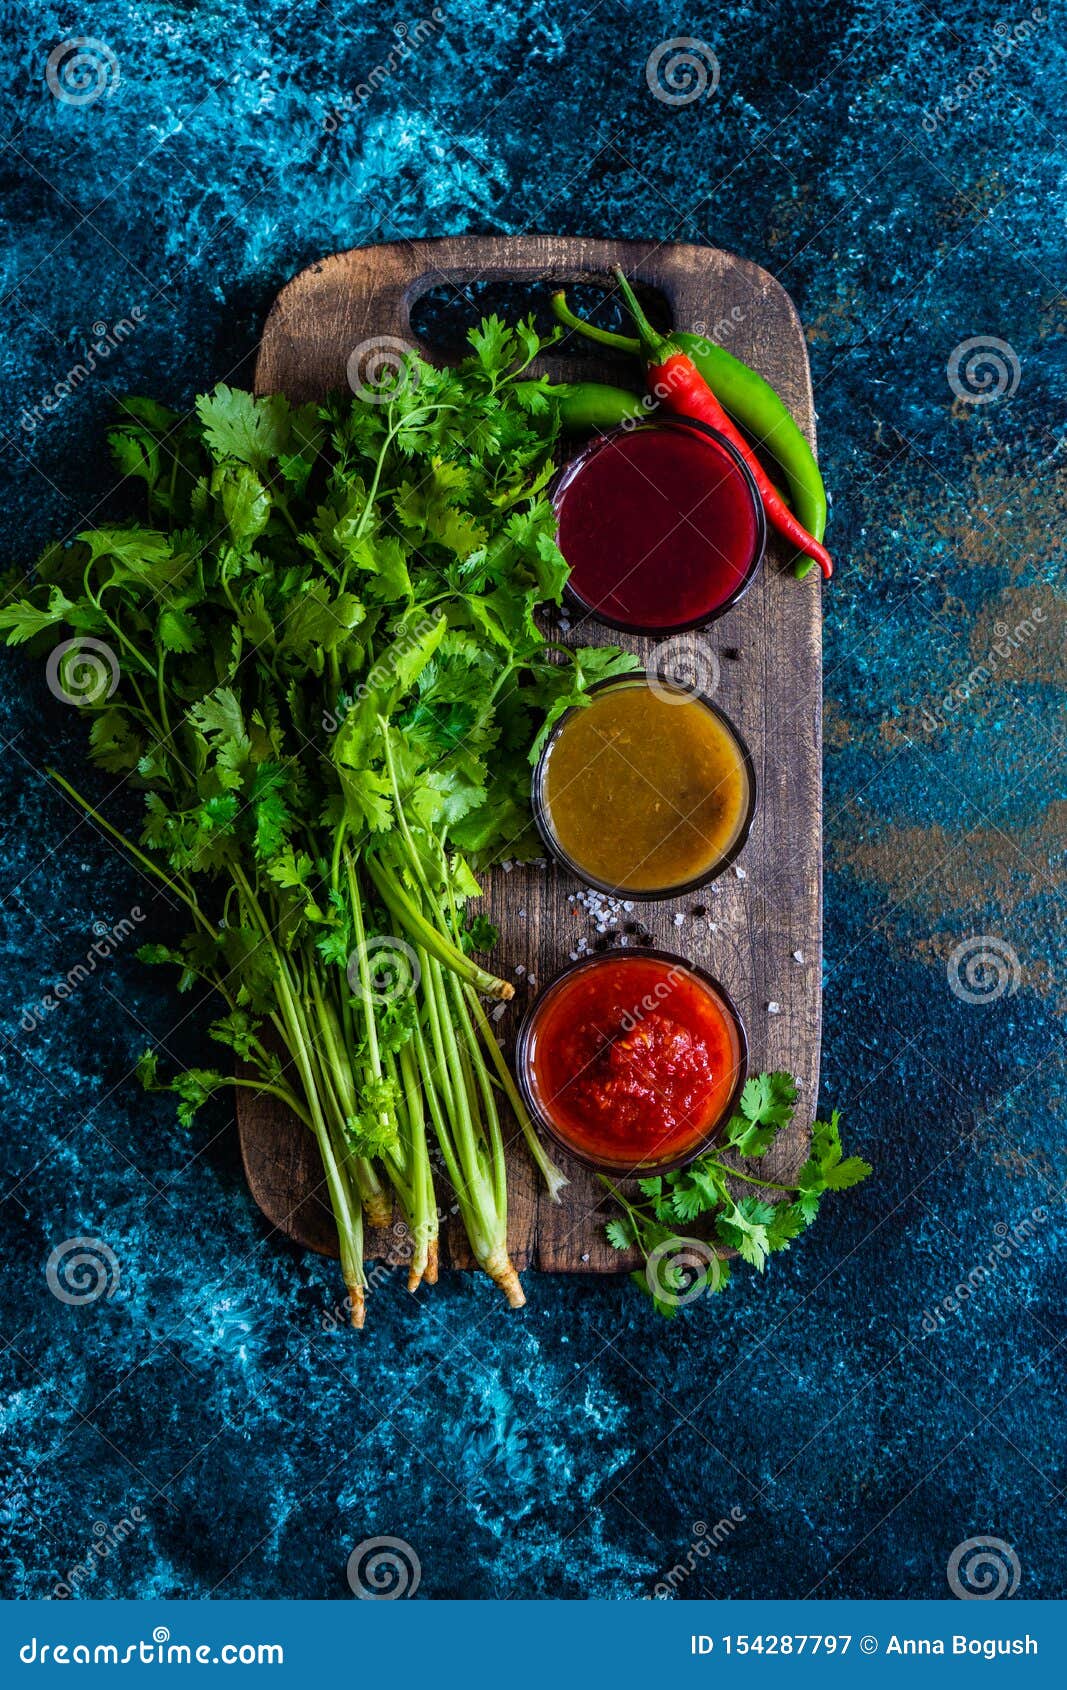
[653,345]
[605,337]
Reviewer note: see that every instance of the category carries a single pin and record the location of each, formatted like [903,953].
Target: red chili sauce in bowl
[632,1061]
[661,525]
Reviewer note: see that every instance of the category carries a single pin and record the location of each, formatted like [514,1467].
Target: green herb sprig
[752,1226]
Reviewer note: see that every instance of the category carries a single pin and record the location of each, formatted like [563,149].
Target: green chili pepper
[752,402]
[589,405]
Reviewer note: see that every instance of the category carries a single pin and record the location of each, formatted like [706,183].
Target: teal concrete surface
[207,1424]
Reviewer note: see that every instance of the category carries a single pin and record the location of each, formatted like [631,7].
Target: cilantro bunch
[325,673]
[751,1227]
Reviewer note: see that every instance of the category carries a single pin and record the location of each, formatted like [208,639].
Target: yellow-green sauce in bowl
[647,790]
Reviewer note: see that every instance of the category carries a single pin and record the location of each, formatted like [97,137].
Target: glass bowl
[558,1001]
[618,886]
[616,521]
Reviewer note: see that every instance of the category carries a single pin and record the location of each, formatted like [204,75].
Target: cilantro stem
[424,1218]
[489,1108]
[735,1173]
[424,933]
[476,1166]
[281,1092]
[139,856]
[164,718]
[554,1177]
[435,1080]
[348,1214]
[356,910]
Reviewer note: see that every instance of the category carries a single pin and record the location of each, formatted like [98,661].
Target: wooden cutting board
[769,653]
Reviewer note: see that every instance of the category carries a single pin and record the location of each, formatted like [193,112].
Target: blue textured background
[572,1449]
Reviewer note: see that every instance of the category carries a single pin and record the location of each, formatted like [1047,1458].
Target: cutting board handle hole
[441,315]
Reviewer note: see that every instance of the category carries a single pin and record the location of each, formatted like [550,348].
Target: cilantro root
[329,685]
[499,1267]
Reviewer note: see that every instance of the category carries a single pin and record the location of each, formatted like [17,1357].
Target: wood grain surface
[769,656]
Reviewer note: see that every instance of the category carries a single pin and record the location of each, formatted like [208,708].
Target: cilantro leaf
[706,1191]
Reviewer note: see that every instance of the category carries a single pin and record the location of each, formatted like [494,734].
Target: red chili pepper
[673,378]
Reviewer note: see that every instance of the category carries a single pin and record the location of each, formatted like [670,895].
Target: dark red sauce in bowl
[661,525]
[632,1060]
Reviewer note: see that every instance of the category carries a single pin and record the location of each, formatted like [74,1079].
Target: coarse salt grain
[740,873]
[773,1008]
[798,956]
